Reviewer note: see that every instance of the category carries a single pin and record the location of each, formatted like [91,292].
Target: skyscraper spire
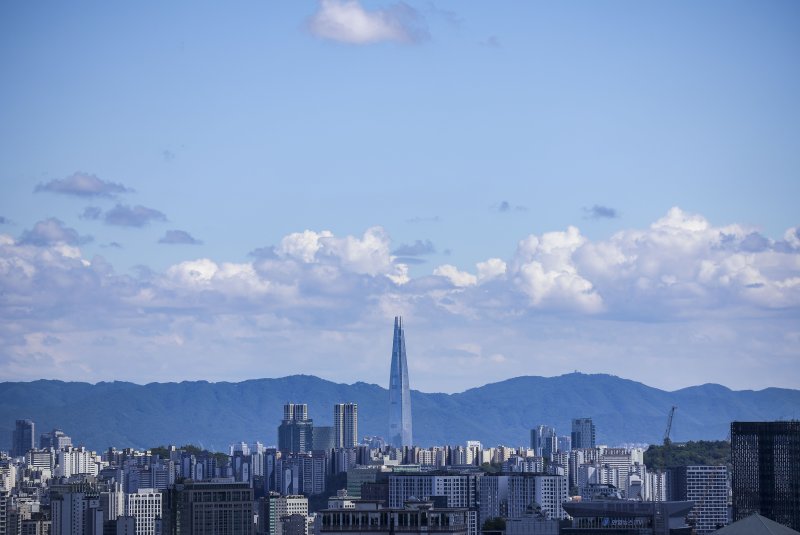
[399,392]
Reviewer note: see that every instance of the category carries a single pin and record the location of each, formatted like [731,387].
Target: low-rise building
[368,518]
[627,517]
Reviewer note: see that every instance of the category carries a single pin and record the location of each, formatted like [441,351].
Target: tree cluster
[701,452]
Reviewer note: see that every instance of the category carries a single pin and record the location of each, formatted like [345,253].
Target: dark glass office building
[295,434]
[23,438]
[215,507]
[583,433]
[766,470]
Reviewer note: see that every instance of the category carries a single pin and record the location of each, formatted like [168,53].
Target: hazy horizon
[385,387]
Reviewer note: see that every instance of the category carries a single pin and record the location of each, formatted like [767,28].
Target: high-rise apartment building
[583,433]
[400,432]
[510,495]
[446,490]
[537,439]
[707,487]
[473,452]
[112,502]
[295,411]
[75,510]
[345,425]
[71,461]
[304,473]
[766,471]
[23,438]
[544,441]
[295,434]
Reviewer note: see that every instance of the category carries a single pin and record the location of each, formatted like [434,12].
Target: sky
[199,190]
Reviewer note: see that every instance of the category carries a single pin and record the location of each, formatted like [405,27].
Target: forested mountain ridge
[214,415]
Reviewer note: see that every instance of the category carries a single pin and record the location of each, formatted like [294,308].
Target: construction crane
[667,441]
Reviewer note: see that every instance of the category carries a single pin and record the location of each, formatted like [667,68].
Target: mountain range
[214,415]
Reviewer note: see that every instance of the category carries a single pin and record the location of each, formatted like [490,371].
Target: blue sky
[197,190]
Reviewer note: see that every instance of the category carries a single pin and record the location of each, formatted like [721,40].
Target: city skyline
[216,193]
[269,491]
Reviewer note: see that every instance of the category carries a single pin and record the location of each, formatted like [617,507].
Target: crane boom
[667,441]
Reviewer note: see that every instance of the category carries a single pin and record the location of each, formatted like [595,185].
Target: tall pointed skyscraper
[399,392]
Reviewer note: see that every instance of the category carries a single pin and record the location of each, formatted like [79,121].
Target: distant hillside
[214,415]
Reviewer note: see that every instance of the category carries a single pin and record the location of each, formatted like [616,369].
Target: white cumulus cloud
[544,270]
[347,21]
[455,276]
[303,245]
[491,269]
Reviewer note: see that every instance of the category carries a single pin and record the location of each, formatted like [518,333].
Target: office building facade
[627,517]
[23,438]
[145,506]
[295,434]
[583,433]
[324,438]
[216,507]
[766,471]
[418,517]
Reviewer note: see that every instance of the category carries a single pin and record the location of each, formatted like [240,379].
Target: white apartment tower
[71,461]
[345,425]
[459,490]
[707,487]
[509,496]
[145,507]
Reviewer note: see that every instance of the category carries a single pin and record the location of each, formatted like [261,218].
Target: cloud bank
[681,294]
